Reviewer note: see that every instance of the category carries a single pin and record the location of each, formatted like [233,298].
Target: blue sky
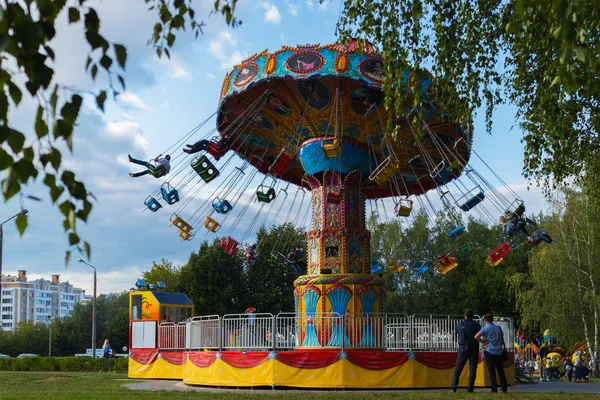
[165,100]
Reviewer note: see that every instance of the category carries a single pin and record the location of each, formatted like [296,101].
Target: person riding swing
[162,167]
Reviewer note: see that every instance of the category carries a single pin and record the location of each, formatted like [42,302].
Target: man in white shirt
[161,168]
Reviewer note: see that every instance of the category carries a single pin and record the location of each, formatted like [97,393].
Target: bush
[65,364]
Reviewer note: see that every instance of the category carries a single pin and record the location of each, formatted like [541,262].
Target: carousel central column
[338,295]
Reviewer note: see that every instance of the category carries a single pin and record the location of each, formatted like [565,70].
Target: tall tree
[270,278]
[27,66]
[541,55]
[165,272]
[561,289]
[214,281]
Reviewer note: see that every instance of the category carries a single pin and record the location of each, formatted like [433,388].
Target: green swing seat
[205,168]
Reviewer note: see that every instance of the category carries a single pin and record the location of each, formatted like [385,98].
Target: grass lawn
[91,386]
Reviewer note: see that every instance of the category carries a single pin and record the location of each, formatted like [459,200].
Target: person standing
[493,342]
[468,350]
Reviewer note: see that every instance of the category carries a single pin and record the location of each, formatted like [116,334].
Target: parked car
[4,355]
[26,355]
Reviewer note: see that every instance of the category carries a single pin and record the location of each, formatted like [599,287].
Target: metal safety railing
[288,331]
[172,336]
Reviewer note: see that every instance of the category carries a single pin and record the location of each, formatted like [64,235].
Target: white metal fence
[287,331]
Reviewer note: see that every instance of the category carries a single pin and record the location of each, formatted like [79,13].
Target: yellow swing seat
[404,208]
[180,223]
[384,171]
[394,267]
[332,150]
[493,263]
[211,224]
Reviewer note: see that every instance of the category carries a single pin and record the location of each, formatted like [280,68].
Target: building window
[7,325]
[6,301]
[6,293]
[9,309]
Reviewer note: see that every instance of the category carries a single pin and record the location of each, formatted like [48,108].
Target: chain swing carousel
[312,116]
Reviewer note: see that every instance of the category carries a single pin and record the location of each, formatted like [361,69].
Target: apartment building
[36,300]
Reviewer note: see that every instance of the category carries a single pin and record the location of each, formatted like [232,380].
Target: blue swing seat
[222,206]
[419,267]
[170,196]
[473,201]
[456,232]
[375,266]
[152,204]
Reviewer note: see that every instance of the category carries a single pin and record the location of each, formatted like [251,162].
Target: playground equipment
[314,116]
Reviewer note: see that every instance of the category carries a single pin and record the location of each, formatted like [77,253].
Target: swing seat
[157,171]
[334,198]
[445,260]
[185,235]
[404,208]
[230,245]
[211,224]
[205,168]
[394,267]
[419,267]
[222,206]
[441,172]
[281,163]
[171,196]
[456,232]
[384,171]
[180,223]
[493,263]
[332,150]
[445,269]
[215,150]
[495,256]
[265,196]
[465,249]
[250,254]
[469,200]
[152,204]
[376,267]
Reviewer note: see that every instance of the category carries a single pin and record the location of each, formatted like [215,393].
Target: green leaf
[10,185]
[6,159]
[92,22]
[21,223]
[41,129]
[121,54]
[94,71]
[106,62]
[74,15]
[54,99]
[15,93]
[67,257]
[15,140]
[73,238]
[70,110]
[121,81]
[88,250]
[100,99]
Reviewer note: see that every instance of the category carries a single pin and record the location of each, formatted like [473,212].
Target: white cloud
[210,76]
[175,68]
[282,37]
[321,6]
[271,12]
[128,130]
[132,100]
[224,49]
[293,9]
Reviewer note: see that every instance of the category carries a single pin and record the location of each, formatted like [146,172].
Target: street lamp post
[93,309]
[22,212]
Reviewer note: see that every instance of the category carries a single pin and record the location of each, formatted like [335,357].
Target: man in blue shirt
[468,350]
[493,342]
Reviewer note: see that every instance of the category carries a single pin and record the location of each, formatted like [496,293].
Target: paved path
[542,387]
